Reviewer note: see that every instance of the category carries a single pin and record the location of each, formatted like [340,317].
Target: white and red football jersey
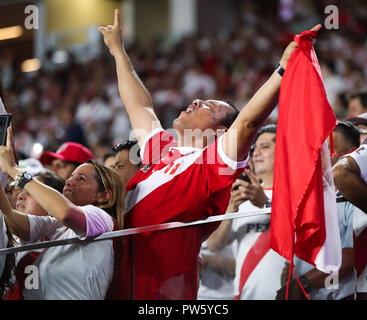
[175,184]
[359,226]
[75,271]
[258,267]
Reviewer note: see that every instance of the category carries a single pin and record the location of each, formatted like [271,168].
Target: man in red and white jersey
[181,180]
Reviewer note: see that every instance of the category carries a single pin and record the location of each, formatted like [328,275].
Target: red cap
[68,151]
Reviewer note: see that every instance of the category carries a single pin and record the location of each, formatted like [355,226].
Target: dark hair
[108,155]
[349,131]
[269,128]
[230,116]
[52,180]
[75,163]
[362,95]
[127,145]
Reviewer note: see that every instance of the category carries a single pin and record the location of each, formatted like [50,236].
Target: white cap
[32,165]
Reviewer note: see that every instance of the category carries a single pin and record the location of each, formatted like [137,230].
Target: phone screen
[5,120]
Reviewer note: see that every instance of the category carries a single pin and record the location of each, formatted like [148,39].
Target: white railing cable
[132,231]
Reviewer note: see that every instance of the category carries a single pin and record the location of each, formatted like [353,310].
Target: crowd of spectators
[80,101]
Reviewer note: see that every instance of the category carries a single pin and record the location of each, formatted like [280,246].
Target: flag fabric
[304,218]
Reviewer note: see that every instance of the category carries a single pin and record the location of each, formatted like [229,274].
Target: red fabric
[305,120]
[253,257]
[360,249]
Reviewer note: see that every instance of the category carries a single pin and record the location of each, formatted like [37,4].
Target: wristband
[268,204]
[22,178]
[279,69]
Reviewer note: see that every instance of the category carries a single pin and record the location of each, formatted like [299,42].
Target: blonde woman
[92,203]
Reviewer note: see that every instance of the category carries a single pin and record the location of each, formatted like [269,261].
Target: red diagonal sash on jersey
[253,257]
[360,249]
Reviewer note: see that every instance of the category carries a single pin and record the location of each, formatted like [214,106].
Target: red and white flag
[304,219]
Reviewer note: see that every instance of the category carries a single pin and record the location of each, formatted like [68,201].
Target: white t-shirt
[347,284]
[76,271]
[264,275]
[213,286]
[3,242]
[360,224]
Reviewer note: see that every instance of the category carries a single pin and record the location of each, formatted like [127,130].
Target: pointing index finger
[317,28]
[117,18]
[8,137]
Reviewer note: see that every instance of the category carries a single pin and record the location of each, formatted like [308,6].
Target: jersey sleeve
[360,156]
[97,220]
[41,227]
[156,145]
[221,171]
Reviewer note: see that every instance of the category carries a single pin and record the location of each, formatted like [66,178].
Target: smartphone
[5,120]
[243,177]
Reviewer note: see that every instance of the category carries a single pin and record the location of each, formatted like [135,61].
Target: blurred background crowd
[77,99]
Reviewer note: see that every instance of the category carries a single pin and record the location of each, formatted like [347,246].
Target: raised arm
[348,180]
[16,222]
[49,199]
[137,100]
[221,237]
[251,117]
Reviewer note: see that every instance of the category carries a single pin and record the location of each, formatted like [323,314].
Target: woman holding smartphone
[92,203]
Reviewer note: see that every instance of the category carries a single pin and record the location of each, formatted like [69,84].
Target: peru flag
[304,219]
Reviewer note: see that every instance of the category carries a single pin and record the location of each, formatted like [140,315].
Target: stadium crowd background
[80,101]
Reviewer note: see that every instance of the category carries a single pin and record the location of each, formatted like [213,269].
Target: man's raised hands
[112,35]
[292,46]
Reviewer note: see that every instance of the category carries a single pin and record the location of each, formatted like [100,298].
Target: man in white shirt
[257,267]
[350,176]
